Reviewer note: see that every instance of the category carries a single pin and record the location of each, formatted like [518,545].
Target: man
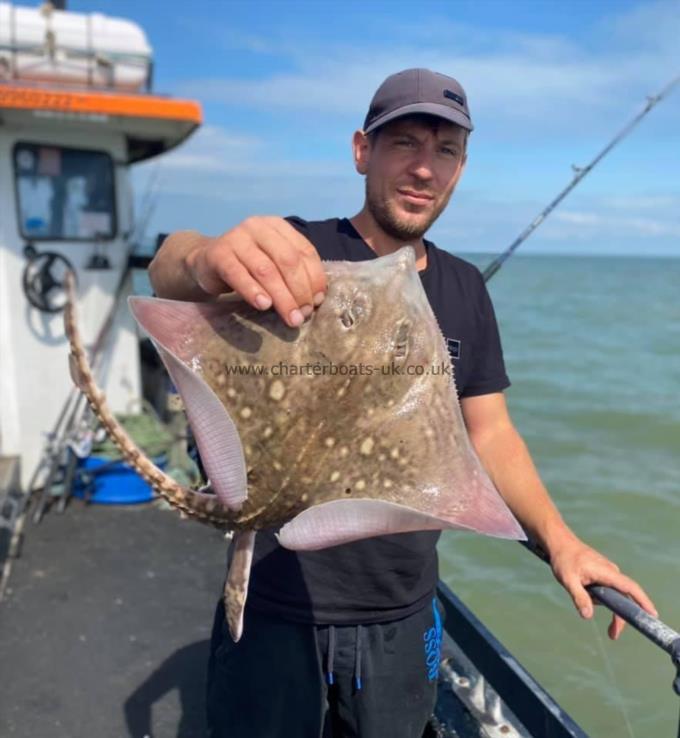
[335,640]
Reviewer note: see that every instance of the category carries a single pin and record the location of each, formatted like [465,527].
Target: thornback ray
[345,428]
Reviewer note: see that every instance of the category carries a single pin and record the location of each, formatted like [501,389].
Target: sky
[284,84]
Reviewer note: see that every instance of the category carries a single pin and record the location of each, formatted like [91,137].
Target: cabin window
[64,194]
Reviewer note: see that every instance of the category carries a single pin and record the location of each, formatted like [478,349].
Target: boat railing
[538,712]
[650,627]
[540,715]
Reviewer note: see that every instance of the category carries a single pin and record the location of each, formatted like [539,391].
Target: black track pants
[274,683]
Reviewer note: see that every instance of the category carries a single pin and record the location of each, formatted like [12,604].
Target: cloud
[213,149]
[539,101]
[652,26]
[588,225]
[642,203]
[548,83]
[239,175]
[475,222]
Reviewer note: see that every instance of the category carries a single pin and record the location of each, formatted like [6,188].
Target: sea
[592,347]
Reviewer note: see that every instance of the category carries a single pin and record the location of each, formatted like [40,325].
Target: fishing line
[612,676]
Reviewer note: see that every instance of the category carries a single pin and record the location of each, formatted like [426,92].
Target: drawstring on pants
[331,654]
[357,660]
[330,676]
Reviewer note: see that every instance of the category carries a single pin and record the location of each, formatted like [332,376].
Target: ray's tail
[197,505]
[236,585]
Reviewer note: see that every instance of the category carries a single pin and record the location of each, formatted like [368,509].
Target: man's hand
[263,259]
[576,565]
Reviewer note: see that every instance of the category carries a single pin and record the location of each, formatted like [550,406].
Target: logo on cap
[452,96]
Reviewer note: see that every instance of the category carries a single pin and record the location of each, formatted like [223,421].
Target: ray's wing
[171,324]
[343,521]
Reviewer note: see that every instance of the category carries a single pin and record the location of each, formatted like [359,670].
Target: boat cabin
[76,112]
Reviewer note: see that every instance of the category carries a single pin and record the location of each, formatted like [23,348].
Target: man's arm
[263,259]
[508,462]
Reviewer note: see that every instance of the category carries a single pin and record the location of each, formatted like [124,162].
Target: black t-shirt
[387,577]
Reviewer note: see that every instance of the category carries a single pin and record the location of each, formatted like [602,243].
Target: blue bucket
[116,484]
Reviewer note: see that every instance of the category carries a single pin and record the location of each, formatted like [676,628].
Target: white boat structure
[77,111]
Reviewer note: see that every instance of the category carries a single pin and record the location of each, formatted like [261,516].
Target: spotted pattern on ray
[321,437]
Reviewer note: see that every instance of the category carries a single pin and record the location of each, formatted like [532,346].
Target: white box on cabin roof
[81,49]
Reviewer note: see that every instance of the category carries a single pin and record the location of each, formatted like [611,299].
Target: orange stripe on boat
[101,103]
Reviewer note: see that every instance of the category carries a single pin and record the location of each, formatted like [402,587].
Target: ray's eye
[346,317]
[356,308]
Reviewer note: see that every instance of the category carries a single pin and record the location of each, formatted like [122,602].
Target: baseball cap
[418,91]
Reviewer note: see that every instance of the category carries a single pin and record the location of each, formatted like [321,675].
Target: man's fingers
[268,263]
[579,566]
[629,587]
[267,275]
[239,279]
[581,598]
[285,254]
[608,577]
[205,275]
[310,257]
[616,627]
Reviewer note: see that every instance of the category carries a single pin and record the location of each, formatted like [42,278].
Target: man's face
[411,168]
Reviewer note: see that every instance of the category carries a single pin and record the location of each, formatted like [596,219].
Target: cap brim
[440,111]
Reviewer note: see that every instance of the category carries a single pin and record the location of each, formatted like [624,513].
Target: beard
[395,224]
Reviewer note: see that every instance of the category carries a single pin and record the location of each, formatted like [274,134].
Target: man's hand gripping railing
[652,628]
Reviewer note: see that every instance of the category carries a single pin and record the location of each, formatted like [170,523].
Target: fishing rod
[579,174]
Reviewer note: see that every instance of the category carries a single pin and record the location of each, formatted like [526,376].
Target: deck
[104,629]
[105,623]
